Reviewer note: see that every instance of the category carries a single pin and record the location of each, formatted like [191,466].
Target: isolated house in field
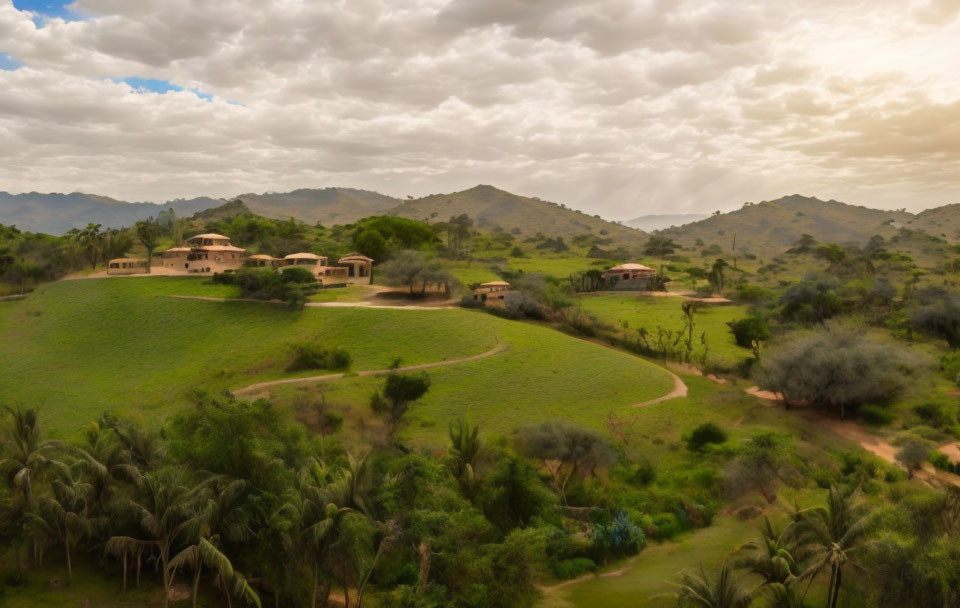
[492,293]
[204,254]
[359,268]
[126,266]
[630,277]
[261,260]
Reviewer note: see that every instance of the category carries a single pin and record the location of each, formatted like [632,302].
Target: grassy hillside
[490,207]
[630,313]
[769,227]
[328,206]
[942,222]
[78,348]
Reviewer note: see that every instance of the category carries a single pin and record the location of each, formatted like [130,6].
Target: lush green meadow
[79,348]
[651,312]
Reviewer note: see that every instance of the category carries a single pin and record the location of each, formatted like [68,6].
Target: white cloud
[619,107]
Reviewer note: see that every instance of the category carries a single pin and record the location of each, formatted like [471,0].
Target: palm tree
[698,590]
[92,240]
[27,451]
[717,273]
[465,447]
[834,534]
[205,553]
[62,518]
[169,509]
[772,556]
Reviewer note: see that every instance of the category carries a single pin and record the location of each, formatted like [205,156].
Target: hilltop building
[630,277]
[205,254]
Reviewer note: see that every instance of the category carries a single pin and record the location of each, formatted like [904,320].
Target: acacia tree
[659,246]
[834,367]
[566,451]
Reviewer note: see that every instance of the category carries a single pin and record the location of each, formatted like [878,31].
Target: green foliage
[705,434]
[812,300]
[297,274]
[750,332]
[380,237]
[875,414]
[834,367]
[397,393]
[619,538]
[312,355]
[938,313]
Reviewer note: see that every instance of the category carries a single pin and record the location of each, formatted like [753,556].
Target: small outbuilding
[630,277]
[493,292]
[126,266]
[359,268]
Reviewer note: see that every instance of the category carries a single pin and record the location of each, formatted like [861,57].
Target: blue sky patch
[156,85]
[9,62]
[45,9]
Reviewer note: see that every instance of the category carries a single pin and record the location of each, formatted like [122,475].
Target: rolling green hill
[79,348]
[328,206]
[491,207]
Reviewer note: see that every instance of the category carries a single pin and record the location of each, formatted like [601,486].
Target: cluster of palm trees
[786,561]
[119,496]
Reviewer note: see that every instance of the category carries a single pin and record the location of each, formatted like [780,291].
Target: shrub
[875,414]
[934,414]
[572,568]
[938,314]
[666,526]
[621,537]
[297,274]
[950,365]
[753,293]
[941,461]
[310,355]
[706,433]
[750,331]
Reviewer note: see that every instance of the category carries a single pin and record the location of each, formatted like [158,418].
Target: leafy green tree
[465,448]
[750,332]
[513,495]
[913,455]
[835,534]
[812,300]
[148,233]
[764,461]
[717,274]
[659,246]
[567,451]
[396,394]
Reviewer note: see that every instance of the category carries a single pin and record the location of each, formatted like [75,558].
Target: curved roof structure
[302,256]
[355,257]
[495,284]
[632,266]
[262,256]
[210,235]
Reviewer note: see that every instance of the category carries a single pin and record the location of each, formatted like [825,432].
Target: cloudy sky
[619,107]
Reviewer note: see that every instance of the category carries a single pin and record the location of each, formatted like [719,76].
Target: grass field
[650,312]
[79,348]
[544,375]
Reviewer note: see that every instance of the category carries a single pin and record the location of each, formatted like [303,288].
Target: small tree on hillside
[567,451]
[912,456]
[148,233]
[750,332]
[659,246]
[395,396]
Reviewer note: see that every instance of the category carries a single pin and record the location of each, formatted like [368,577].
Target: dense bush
[938,313]
[814,299]
[875,414]
[750,331]
[835,367]
[297,274]
[310,355]
[619,538]
[705,434]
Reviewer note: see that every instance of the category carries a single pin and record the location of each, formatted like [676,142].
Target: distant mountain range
[489,207]
[765,228]
[649,223]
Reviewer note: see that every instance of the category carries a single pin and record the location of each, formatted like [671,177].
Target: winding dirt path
[679,390]
[875,444]
[261,387]
[361,304]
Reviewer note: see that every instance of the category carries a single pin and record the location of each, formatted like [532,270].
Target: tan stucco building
[359,268]
[493,293]
[126,266]
[204,254]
